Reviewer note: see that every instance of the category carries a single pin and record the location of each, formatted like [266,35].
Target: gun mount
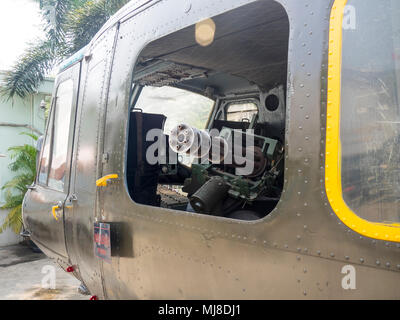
[235,169]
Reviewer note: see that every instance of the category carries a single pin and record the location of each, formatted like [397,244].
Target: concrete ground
[25,275]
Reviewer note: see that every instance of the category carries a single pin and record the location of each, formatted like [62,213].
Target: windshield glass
[178,105]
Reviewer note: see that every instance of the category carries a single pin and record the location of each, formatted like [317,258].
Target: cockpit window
[45,159]
[178,105]
[53,163]
[242,112]
[370,109]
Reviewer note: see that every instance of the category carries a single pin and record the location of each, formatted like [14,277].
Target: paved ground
[25,275]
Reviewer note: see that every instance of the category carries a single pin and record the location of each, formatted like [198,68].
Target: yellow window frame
[333,183]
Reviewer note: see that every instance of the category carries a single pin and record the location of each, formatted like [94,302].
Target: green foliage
[31,69]
[83,22]
[75,23]
[24,165]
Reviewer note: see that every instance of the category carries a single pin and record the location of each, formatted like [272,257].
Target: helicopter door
[45,201]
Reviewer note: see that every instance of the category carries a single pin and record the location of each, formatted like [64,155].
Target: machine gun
[233,169]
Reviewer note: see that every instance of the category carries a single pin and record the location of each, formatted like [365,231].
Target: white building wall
[19,112]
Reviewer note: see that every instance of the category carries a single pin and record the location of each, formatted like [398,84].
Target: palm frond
[42,55]
[55,12]
[24,164]
[12,200]
[83,24]
[32,135]
[19,182]
[24,158]
[13,220]
[30,70]
[71,26]
[85,21]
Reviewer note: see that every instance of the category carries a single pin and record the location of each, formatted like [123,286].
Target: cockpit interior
[207,115]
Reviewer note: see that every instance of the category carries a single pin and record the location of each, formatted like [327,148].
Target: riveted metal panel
[46,227]
[94,88]
[297,251]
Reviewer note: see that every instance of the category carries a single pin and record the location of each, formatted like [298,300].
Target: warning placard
[102,241]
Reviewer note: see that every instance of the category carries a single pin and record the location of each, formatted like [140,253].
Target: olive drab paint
[303,249]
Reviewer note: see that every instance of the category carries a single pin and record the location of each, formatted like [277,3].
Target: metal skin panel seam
[302,236]
[318,252]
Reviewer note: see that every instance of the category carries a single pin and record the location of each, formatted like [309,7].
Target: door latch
[102,182]
[69,204]
[55,208]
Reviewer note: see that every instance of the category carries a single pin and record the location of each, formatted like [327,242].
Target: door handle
[55,208]
[102,182]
